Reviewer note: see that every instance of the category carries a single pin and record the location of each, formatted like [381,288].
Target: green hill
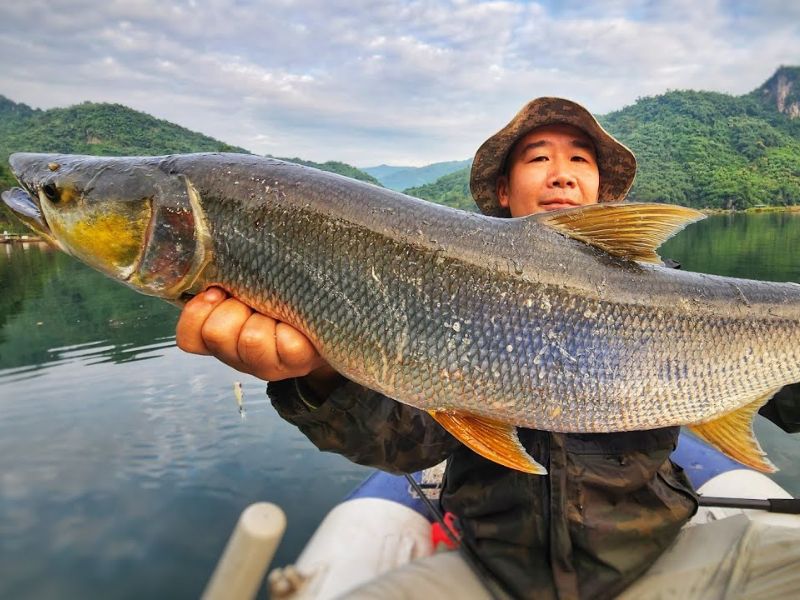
[88,128]
[450,190]
[101,129]
[705,149]
[700,149]
[108,130]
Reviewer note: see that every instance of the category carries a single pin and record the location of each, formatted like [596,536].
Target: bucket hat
[616,163]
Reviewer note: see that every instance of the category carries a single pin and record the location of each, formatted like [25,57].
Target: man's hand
[215,324]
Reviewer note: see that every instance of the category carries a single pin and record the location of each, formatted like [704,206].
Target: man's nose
[562,178]
[561,175]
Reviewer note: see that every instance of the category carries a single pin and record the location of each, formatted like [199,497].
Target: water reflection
[122,476]
[757,246]
[52,304]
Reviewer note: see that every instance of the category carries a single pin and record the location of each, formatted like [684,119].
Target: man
[610,504]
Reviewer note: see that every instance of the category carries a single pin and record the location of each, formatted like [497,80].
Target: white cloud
[397,81]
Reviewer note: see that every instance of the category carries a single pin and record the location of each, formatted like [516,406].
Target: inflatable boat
[384,524]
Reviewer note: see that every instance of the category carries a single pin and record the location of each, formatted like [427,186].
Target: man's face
[550,168]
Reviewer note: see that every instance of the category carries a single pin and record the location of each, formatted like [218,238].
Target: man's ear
[502,190]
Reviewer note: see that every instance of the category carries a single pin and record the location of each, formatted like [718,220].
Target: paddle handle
[250,549]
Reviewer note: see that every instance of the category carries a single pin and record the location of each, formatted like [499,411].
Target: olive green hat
[617,164]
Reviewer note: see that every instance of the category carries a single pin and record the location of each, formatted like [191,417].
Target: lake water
[124,463]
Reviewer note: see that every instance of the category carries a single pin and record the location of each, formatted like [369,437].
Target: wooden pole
[250,549]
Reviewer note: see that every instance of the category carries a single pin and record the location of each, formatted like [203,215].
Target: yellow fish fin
[631,231]
[493,440]
[733,435]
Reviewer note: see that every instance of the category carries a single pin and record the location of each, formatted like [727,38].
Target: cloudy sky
[384,81]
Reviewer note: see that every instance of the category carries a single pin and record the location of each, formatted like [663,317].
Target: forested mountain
[88,128]
[109,130]
[450,190]
[102,129]
[706,149]
[700,149]
[401,178]
[782,91]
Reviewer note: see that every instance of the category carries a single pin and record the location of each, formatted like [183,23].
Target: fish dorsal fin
[632,231]
[733,435]
[491,439]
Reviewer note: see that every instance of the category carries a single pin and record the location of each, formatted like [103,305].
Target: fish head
[129,218]
[82,208]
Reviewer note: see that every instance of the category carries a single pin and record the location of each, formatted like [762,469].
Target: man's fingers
[212,323]
[295,351]
[222,328]
[188,333]
[256,346]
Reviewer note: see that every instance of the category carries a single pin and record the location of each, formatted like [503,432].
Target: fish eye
[50,192]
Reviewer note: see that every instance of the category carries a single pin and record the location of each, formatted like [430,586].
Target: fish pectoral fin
[733,435]
[632,231]
[491,439]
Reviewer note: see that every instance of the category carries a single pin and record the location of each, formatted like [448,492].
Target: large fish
[562,322]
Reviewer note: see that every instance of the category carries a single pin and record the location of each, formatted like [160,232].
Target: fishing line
[469,554]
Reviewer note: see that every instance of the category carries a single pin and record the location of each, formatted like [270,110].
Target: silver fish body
[444,310]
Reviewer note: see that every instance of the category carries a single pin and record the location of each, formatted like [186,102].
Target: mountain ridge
[695,148]
[400,178]
[106,129]
[783,90]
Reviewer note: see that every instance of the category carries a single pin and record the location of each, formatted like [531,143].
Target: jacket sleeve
[784,408]
[364,426]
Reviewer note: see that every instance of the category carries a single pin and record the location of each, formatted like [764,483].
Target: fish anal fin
[732,434]
[491,439]
[632,231]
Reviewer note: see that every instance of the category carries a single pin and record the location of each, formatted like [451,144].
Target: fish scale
[511,320]
[426,375]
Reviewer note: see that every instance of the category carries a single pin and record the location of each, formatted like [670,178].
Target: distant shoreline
[10,237]
[19,238]
[752,210]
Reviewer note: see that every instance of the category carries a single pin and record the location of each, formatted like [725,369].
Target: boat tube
[384,524]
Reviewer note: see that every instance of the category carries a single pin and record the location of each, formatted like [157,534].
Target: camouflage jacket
[609,507]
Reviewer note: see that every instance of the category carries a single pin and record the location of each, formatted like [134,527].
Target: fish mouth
[23,201]
[23,204]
